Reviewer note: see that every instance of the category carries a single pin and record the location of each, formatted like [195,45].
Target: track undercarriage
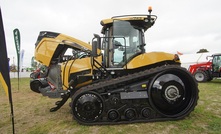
[162,93]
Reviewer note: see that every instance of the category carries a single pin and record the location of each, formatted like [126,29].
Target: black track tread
[127,79]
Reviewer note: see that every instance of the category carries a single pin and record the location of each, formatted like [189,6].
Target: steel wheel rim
[199,76]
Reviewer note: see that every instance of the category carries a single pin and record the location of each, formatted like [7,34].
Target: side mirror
[94,48]
[98,40]
[96,44]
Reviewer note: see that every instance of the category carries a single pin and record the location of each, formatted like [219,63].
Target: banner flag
[17,46]
[4,68]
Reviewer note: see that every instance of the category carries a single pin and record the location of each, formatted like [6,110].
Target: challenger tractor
[113,80]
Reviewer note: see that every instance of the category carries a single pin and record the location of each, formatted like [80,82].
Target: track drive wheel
[173,93]
[201,76]
[87,107]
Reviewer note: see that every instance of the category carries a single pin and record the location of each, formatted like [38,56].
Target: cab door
[124,42]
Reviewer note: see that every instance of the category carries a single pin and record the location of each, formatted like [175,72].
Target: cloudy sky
[185,26]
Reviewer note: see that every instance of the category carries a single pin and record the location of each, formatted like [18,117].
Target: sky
[184,26]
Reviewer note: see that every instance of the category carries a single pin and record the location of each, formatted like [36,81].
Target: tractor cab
[123,38]
[125,43]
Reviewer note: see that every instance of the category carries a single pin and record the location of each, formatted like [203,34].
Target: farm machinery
[114,80]
[206,71]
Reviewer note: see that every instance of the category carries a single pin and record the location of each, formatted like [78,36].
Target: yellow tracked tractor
[114,80]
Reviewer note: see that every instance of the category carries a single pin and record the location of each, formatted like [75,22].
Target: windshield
[127,42]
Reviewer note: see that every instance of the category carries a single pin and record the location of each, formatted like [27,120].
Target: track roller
[113,115]
[146,112]
[130,114]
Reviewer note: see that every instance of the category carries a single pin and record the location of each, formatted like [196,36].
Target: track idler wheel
[87,107]
[173,93]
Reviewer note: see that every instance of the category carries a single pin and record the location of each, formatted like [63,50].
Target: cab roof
[144,21]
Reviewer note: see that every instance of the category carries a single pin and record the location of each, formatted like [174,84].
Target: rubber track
[122,81]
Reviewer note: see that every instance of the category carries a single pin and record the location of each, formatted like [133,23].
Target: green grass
[32,116]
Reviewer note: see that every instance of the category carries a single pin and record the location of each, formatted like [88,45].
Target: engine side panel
[71,70]
[149,59]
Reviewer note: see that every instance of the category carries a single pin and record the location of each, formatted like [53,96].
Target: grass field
[32,116]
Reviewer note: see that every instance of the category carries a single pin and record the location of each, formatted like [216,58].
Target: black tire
[201,76]
[209,75]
